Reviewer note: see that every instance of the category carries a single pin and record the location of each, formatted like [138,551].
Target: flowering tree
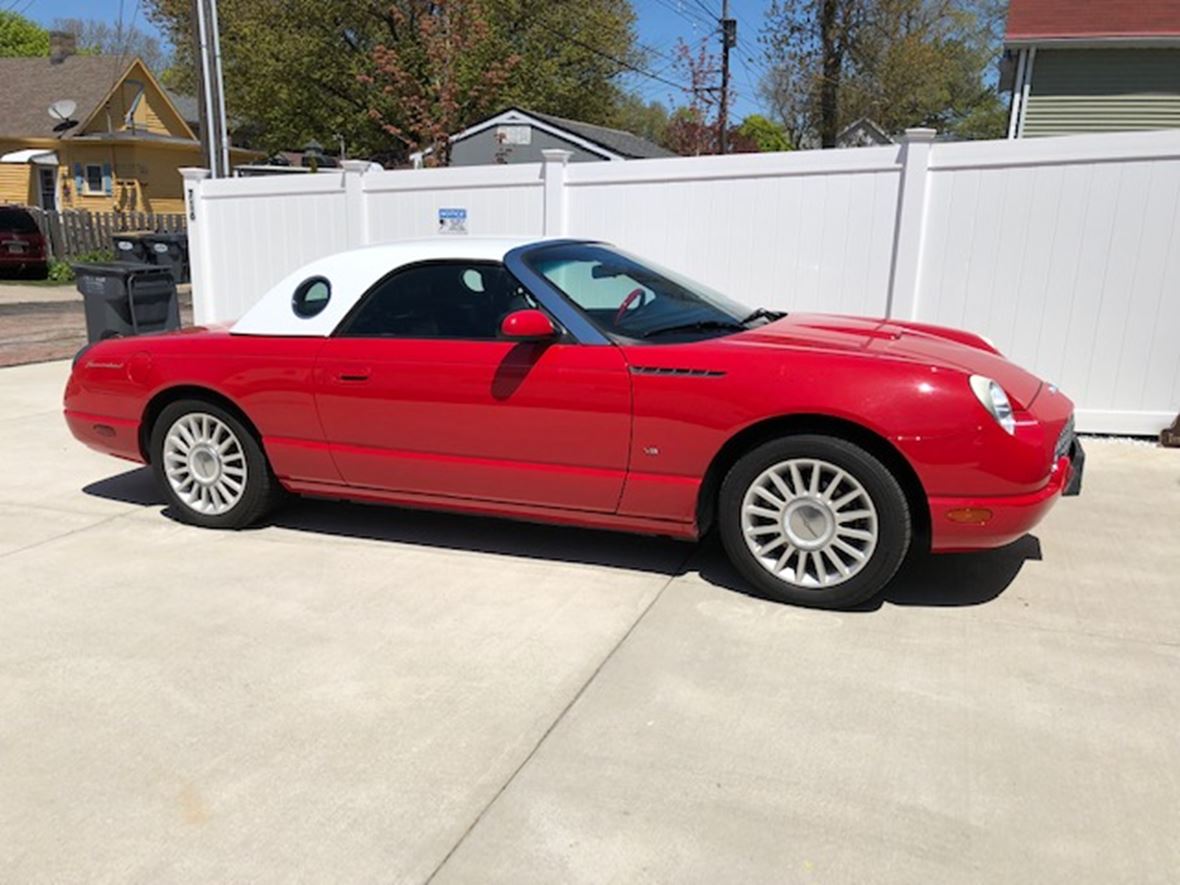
[693,128]
[443,74]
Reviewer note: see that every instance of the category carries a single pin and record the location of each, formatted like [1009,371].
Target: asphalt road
[363,694]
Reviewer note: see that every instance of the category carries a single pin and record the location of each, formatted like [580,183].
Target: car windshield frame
[706,312]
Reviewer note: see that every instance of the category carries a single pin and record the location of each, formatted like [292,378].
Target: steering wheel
[632,295]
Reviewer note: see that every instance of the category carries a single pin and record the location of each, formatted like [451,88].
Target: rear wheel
[814,520]
[211,467]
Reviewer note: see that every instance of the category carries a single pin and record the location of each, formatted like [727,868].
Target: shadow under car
[953,579]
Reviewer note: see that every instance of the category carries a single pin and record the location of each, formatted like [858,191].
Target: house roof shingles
[1030,20]
[31,85]
[625,144]
[187,105]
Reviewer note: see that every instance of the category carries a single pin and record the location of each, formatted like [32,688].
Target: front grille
[1065,440]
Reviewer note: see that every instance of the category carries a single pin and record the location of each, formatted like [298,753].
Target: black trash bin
[130,247]
[169,250]
[122,298]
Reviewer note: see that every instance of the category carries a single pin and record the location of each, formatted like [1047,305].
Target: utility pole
[211,96]
[728,41]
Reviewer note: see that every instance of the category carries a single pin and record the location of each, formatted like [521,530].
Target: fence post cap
[360,166]
[194,173]
[556,155]
[920,134]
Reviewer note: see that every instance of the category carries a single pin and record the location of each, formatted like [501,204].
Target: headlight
[993,398]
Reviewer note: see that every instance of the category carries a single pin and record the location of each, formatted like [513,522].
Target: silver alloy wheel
[205,463]
[809,523]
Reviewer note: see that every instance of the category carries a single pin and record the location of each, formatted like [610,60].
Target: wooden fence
[74,233]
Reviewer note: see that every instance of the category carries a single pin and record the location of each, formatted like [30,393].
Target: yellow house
[92,132]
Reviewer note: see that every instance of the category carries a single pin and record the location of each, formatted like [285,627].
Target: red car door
[418,395]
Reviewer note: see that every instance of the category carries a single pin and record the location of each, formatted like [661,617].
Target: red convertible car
[568,381]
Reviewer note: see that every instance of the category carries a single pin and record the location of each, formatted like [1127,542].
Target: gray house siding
[481,148]
[1103,90]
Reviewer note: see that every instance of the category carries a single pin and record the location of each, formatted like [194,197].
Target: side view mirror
[528,325]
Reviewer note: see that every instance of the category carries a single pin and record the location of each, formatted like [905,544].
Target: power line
[626,65]
[691,16]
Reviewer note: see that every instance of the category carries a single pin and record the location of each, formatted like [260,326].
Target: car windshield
[634,299]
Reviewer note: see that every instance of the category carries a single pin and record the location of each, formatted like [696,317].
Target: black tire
[892,522]
[262,492]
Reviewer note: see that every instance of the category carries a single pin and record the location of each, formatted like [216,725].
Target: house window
[94,179]
[514,134]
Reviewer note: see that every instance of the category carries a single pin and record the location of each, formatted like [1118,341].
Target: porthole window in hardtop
[311,297]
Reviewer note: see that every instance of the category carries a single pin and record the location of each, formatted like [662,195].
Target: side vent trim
[676,371]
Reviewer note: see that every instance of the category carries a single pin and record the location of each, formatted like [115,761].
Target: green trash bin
[122,299]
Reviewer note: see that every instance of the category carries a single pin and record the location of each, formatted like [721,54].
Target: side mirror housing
[528,325]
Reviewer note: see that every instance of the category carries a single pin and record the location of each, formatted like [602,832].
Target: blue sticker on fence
[452,221]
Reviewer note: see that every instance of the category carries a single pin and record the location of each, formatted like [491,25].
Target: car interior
[440,300]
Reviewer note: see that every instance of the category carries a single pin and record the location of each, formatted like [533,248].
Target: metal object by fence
[71,234]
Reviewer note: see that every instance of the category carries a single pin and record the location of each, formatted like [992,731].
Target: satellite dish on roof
[63,109]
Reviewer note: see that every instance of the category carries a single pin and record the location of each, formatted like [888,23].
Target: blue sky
[660,24]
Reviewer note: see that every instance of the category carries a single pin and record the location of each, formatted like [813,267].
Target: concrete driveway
[358,694]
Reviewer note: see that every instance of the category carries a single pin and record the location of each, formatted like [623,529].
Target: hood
[912,342]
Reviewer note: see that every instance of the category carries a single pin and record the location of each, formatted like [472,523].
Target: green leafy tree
[648,119]
[445,72]
[899,62]
[21,38]
[301,69]
[762,135]
[572,55]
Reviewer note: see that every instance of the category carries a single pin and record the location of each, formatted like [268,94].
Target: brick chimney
[62,44]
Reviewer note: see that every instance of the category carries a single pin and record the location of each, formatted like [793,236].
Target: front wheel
[814,520]
[211,467]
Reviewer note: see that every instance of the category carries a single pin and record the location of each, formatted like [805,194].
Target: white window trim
[86,188]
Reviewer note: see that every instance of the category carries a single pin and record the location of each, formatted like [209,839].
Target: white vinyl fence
[1064,251]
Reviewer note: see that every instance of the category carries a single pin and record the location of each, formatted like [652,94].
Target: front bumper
[981,523]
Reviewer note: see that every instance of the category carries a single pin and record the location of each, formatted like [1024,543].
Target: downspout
[1017,94]
[1028,73]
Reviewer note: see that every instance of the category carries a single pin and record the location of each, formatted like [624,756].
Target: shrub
[60,271]
[63,271]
